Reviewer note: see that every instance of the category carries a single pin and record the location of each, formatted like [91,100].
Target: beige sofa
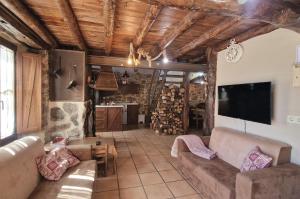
[20,179]
[220,178]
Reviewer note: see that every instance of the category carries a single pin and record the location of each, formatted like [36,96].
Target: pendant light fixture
[125,77]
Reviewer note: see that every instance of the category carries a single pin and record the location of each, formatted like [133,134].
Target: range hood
[106,81]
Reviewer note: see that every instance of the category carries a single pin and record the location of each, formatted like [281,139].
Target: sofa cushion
[18,171]
[66,154]
[214,179]
[51,167]
[255,160]
[233,146]
[77,182]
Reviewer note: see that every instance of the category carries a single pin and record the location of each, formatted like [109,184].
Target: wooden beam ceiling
[177,30]
[23,13]
[122,62]
[69,16]
[259,10]
[109,7]
[146,24]
[13,27]
[202,39]
[259,30]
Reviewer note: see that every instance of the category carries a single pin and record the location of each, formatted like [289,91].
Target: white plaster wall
[267,58]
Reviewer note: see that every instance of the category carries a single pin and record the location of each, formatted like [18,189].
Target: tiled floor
[144,169]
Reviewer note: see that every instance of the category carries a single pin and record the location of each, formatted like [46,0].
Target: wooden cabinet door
[101,119]
[114,119]
[132,114]
[29,93]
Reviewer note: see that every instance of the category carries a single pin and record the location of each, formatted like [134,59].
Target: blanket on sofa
[195,145]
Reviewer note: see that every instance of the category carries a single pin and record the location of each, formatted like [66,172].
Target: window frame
[12,47]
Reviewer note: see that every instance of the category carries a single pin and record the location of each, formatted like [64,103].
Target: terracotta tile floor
[145,169]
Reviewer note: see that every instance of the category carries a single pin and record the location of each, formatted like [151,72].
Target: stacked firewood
[167,117]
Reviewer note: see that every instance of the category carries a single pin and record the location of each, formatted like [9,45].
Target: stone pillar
[66,119]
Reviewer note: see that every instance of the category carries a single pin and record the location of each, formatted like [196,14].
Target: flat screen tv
[250,102]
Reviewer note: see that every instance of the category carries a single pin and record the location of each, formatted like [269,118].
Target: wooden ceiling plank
[109,8]
[211,33]
[253,32]
[146,24]
[69,16]
[180,28]
[23,12]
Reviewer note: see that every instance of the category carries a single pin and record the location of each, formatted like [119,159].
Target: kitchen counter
[107,106]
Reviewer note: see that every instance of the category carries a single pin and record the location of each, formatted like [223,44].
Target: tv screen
[250,102]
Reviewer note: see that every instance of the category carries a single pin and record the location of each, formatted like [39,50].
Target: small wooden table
[100,152]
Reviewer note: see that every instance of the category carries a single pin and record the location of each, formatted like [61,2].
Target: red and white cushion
[51,167]
[255,160]
[66,154]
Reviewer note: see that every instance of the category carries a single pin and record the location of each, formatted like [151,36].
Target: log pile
[167,117]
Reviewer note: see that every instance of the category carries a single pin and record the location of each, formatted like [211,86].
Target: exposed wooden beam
[177,30]
[146,24]
[17,29]
[209,118]
[198,59]
[211,33]
[260,10]
[25,14]
[253,32]
[122,62]
[109,8]
[70,18]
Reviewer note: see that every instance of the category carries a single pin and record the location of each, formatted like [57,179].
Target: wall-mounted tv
[250,102]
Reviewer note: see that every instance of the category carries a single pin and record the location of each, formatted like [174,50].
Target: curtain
[7,92]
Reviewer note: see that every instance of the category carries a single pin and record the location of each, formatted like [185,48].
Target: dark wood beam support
[146,24]
[260,30]
[122,62]
[25,14]
[109,8]
[198,59]
[13,27]
[206,36]
[186,107]
[209,120]
[70,18]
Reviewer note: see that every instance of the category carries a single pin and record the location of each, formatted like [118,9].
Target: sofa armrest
[205,140]
[81,151]
[270,183]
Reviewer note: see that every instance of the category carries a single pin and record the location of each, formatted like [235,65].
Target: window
[7,92]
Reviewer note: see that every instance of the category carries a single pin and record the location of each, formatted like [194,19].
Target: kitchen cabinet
[108,118]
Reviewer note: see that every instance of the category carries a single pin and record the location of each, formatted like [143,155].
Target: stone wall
[66,119]
[197,94]
[144,81]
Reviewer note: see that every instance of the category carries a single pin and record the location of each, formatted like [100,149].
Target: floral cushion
[51,167]
[66,154]
[255,160]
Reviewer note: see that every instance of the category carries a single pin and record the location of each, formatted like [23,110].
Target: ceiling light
[165,58]
[129,61]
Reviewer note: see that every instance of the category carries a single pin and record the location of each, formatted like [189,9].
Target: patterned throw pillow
[255,160]
[51,167]
[66,154]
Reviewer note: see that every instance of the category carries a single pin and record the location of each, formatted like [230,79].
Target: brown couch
[20,179]
[220,178]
